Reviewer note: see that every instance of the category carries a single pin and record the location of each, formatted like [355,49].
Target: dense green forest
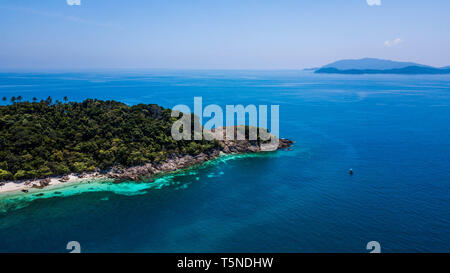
[39,139]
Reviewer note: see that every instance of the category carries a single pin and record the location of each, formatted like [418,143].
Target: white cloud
[73,2]
[374,2]
[393,43]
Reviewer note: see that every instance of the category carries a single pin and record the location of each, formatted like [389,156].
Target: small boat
[350,171]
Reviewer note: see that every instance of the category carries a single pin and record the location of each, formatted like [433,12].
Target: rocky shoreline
[175,162]
[136,173]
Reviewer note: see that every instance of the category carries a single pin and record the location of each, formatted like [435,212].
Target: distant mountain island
[379,66]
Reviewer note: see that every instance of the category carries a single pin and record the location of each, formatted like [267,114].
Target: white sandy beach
[13,186]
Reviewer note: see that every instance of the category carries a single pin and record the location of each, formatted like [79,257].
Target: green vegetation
[42,139]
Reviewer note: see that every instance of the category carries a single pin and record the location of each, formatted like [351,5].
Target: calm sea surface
[394,131]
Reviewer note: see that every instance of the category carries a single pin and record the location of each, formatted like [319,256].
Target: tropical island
[379,66]
[44,143]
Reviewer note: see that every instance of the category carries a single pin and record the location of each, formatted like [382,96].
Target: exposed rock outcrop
[42,183]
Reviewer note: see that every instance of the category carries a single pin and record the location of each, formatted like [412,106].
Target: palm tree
[34,99]
[19,98]
[13,99]
[4,98]
[49,100]
[65,98]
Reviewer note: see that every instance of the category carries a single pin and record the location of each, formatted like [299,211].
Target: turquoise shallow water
[392,130]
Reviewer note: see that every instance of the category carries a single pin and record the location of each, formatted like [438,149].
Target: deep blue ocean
[393,130]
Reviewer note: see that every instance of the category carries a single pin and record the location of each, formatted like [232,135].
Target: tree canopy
[42,139]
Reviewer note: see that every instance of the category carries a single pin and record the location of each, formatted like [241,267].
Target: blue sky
[219,34]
